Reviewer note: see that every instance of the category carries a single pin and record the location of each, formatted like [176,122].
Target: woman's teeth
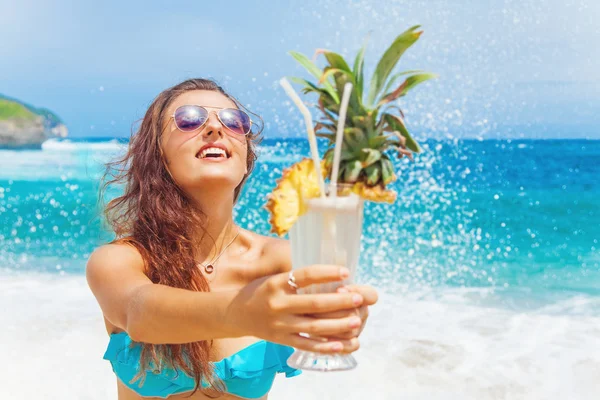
[213,152]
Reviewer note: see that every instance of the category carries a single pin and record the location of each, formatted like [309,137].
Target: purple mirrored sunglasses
[190,117]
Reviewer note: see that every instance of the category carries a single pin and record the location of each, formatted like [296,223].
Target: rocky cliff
[22,125]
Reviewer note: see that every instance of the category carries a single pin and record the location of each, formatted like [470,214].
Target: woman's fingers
[345,335]
[312,274]
[317,326]
[318,346]
[362,312]
[313,322]
[320,303]
[367,292]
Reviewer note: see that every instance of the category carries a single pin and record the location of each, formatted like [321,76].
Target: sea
[487,265]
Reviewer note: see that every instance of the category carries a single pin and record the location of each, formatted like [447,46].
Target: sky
[507,69]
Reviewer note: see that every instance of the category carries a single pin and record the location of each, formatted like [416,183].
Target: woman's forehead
[208,98]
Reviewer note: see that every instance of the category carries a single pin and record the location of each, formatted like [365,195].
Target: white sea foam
[68,145]
[84,160]
[419,346]
[61,159]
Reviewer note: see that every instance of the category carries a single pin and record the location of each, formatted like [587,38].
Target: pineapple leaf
[328,104]
[342,76]
[395,77]
[377,141]
[316,72]
[373,173]
[308,86]
[328,158]
[329,136]
[339,68]
[370,127]
[301,81]
[332,71]
[326,113]
[397,124]
[359,121]
[347,154]
[394,143]
[336,61]
[387,170]
[394,107]
[380,125]
[370,156]
[341,173]
[389,60]
[324,125]
[352,171]
[359,63]
[408,84]
[355,140]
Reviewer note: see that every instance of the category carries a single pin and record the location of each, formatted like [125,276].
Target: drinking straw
[339,254]
[337,151]
[312,139]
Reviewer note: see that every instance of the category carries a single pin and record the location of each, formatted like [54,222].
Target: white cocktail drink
[328,233]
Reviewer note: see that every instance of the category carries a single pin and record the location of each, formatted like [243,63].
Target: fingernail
[343,290]
[344,272]
[337,346]
[355,322]
[357,299]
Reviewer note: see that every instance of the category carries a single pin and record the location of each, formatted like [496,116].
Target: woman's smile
[213,152]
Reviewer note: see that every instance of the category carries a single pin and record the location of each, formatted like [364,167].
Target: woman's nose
[213,124]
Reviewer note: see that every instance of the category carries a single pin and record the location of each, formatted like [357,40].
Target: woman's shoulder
[113,272]
[277,252]
[122,251]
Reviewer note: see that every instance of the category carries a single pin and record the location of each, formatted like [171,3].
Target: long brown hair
[155,216]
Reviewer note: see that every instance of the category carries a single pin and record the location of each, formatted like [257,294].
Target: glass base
[310,361]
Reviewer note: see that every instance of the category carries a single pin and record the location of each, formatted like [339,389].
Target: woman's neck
[218,226]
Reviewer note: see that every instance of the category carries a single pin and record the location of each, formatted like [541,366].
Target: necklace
[209,268]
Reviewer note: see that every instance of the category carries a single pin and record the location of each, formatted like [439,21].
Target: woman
[193,304]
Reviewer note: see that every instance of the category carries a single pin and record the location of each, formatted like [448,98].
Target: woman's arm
[154,313]
[265,308]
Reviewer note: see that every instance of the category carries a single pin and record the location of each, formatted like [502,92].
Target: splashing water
[497,214]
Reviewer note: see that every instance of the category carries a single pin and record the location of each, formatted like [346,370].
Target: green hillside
[12,109]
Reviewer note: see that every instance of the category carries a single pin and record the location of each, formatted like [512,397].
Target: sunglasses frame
[208,115]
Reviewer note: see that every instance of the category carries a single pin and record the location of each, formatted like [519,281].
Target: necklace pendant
[209,268]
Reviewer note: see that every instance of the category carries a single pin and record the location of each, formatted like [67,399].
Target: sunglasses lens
[189,118]
[235,120]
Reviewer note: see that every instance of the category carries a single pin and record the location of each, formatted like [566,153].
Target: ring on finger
[292,281]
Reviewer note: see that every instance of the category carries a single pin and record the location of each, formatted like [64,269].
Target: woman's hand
[269,308]
[370,297]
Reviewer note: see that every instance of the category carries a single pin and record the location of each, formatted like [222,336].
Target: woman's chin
[209,176]
[215,180]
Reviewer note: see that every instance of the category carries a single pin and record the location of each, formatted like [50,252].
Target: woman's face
[190,166]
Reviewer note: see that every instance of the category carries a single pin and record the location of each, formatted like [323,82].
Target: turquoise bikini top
[248,373]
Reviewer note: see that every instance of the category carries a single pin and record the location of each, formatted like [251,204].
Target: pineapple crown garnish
[371,126]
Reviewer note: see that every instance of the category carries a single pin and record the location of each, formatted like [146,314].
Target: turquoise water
[520,217]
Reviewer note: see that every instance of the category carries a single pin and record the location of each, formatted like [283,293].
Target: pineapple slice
[374,193]
[299,182]
[286,201]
